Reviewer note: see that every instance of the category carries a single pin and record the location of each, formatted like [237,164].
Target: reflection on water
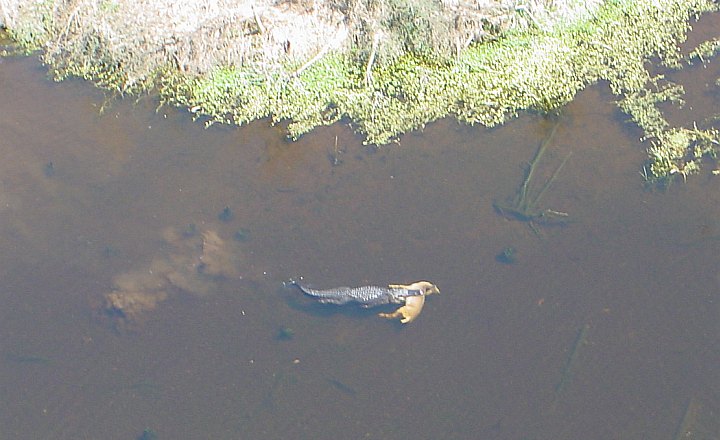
[605,327]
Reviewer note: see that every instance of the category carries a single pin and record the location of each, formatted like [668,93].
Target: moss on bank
[530,68]
[486,84]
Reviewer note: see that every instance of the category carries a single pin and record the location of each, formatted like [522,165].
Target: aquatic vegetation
[642,105]
[190,230]
[146,388]
[284,381]
[148,434]
[566,373]
[242,235]
[485,84]
[699,419]
[679,152]
[335,155]
[507,256]
[110,251]
[705,50]
[285,334]
[49,169]
[342,387]
[387,87]
[27,359]
[524,206]
[226,214]
[674,151]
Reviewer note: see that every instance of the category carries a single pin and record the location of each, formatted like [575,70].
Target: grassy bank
[387,89]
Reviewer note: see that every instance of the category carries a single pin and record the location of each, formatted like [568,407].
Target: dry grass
[123,43]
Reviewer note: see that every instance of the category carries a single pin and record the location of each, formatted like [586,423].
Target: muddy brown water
[607,327]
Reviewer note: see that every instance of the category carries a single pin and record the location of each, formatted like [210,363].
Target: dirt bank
[269,35]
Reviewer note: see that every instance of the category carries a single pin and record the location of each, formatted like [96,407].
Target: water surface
[605,327]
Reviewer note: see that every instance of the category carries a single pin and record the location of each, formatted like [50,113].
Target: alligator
[411,295]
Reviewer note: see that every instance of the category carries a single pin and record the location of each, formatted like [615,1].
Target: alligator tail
[366,296]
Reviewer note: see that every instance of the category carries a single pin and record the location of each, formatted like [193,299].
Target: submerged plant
[285,334]
[679,152]
[226,215]
[148,434]
[507,256]
[524,206]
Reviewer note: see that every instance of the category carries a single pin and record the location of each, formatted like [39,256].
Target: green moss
[705,50]
[487,84]
[679,152]
[233,95]
[642,106]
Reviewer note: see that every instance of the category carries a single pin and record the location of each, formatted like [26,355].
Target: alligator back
[367,296]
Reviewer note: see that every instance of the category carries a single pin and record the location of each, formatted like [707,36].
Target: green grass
[487,84]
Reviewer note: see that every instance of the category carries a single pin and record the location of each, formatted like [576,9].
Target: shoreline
[537,65]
